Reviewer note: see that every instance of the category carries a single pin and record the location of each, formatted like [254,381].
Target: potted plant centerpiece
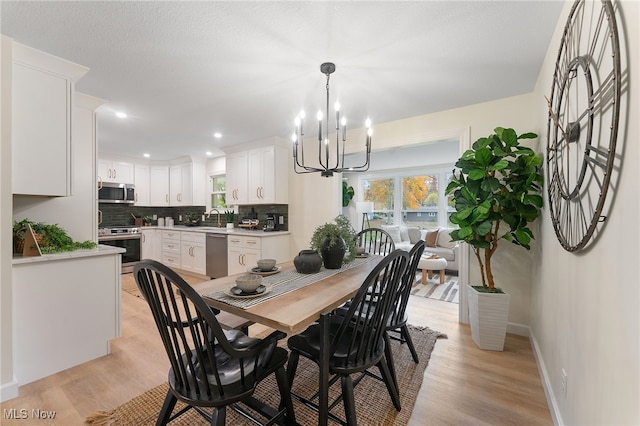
[335,242]
[228,216]
[497,194]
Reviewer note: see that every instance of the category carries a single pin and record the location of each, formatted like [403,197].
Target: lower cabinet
[150,244]
[171,249]
[244,251]
[192,253]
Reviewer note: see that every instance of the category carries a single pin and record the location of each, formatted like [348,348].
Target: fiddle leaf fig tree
[498,182]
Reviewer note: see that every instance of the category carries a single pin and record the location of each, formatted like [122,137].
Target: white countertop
[216,230]
[101,250]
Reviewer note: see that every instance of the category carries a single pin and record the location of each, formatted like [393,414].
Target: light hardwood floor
[463,385]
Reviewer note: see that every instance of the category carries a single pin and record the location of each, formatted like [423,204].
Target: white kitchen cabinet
[243,253]
[187,184]
[115,171]
[142,183]
[267,175]
[42,93]
[151,244]
[171,250]
[192,254]
[236,175]
[158,186]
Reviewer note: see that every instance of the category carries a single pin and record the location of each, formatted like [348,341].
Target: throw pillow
[394,231]
[404,233]
[444,239]
[431,238]
[414,234]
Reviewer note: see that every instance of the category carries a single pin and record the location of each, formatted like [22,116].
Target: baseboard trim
[8,391]
[518,329]
[552,402]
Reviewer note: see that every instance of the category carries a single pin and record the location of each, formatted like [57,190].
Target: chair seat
[307,344]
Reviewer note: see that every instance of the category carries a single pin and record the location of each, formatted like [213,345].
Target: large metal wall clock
[584,110]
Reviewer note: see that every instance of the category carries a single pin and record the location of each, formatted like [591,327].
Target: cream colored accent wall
[585,306]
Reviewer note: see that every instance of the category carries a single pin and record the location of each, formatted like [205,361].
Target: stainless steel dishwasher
[216,255]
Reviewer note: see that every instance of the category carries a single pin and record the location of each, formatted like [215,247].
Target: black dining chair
[375,241]
[397,323]
[356,338]
[396,328]
[210,367]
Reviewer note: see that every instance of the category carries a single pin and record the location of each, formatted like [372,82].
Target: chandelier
[330,158]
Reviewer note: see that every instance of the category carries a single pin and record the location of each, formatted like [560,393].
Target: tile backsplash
[120,214]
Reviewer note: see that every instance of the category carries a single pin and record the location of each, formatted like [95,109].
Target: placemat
[285,282]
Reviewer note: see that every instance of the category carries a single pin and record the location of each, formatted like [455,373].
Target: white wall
[585,306]
[8,384]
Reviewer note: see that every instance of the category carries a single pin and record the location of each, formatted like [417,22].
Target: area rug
[373,404]
[447,292]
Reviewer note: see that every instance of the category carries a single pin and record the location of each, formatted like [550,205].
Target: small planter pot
[308,262]
[333,256]
[488,316]
[229,225]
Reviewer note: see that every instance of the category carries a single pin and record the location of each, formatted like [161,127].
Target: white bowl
[266,265]
[248,282]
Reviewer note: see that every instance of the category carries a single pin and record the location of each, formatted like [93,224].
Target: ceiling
[183,70]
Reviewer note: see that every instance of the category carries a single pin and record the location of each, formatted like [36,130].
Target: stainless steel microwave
[109,192]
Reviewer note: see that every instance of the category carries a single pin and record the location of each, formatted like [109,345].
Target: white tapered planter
[488,315]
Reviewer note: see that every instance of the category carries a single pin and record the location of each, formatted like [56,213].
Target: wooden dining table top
[294,311]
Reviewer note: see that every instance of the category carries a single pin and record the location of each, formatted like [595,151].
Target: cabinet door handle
[114,173]
[143,238]
[99,217]
[166,198]
[136,197]
[99,183]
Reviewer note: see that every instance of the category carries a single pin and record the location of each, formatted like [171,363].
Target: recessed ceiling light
[209,153]
[217,135]
[121,114]
[146,155]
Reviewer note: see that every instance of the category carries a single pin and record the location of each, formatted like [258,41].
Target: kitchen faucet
[217,211]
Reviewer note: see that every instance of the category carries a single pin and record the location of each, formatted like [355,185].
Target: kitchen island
[66,309]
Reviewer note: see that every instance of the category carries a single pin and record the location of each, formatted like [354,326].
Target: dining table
[292,302]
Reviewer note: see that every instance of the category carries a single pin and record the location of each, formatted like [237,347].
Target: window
[409,197]
[218,191]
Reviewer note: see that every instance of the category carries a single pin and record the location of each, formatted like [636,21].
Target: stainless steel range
[126,237]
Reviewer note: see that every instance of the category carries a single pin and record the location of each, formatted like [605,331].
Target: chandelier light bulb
[301,115]
[297,121]
[319,116]
[367,123]
[336,106]
[370,132]
[343,122]
[294,138]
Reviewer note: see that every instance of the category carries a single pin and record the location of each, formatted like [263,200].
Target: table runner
[284,282]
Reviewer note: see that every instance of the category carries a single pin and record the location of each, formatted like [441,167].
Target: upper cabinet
[141,181]
[115,171]
[159,186]
[182,182]
[42,96]
[236,170]
[187,183]
[258,175]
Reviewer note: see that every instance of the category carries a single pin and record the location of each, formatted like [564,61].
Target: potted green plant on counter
[498,184]
[228,216]
[50,238]
[335,242]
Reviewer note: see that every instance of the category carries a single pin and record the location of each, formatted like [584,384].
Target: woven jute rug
[373,403]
